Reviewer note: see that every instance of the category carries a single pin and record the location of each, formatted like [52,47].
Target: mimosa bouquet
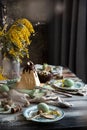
[14,41]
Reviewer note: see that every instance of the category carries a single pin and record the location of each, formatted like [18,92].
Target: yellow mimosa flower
[17,38]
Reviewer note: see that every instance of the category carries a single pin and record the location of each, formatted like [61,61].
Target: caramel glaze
[30,66]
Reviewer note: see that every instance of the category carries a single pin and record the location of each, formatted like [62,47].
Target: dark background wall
[35,10]
[60,27]
[39,12]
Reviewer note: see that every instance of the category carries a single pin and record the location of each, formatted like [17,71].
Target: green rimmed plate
[11,83]
[32,110]
[77,86]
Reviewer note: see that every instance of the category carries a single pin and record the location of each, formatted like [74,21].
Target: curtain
[67,36]
[1,13]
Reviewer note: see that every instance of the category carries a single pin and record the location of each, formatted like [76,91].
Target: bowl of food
[45,76]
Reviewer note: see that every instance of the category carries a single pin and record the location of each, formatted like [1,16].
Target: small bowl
[45,76]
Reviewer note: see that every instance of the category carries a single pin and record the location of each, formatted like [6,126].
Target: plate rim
[5,111]
[70,88]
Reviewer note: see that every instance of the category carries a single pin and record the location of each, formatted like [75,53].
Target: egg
[68,82]
[4,88]
[43,107]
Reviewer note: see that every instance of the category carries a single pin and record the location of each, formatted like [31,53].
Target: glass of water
[60,72]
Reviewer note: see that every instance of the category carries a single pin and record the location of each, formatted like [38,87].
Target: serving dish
[78,85]
[11,83]
[31,111]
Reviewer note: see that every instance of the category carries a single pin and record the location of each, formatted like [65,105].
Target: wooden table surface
[74,117]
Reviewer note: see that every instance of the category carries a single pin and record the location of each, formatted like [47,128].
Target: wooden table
[75,117]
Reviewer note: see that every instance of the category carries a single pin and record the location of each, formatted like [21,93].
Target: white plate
[30,111]
[77,86]
[54,69]
[38,67]
[11,83]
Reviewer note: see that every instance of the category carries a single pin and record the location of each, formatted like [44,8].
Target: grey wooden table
[74,117]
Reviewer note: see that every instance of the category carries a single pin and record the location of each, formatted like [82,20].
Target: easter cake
[29,77]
